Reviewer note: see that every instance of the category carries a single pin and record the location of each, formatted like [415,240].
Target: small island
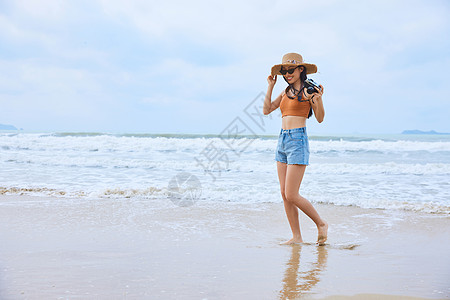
[7,127]
[422,132]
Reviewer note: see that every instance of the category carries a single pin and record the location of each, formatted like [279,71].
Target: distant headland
[422,132]
[7,127]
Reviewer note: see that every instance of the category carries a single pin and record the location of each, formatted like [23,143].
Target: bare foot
[292,241]
[323,233]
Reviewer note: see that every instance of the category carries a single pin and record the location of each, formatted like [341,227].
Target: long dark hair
[303,77]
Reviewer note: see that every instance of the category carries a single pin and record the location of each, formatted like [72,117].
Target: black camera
[310,84]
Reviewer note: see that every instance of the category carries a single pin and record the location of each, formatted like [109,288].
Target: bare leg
[294,177]
[290,208]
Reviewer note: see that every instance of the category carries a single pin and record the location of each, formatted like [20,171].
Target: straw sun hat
[293,59]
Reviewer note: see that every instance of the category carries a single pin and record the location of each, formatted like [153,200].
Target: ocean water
[404,172]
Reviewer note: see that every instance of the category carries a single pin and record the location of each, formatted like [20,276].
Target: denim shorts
[293,147]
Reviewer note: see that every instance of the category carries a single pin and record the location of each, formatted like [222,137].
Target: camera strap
[299,97]
[302,91]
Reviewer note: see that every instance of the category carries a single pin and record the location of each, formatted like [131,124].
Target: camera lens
[311,90]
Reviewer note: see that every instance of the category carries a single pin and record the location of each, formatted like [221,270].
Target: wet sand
[57,248]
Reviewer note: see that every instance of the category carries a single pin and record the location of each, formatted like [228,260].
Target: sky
[143,66]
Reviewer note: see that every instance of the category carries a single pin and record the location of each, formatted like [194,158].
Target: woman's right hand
[271,80]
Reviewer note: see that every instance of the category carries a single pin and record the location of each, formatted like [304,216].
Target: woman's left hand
[314,96]
[316,103]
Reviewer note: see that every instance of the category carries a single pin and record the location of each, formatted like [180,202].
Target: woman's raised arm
[269,105]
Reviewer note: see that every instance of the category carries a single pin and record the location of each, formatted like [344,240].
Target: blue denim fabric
[293,147]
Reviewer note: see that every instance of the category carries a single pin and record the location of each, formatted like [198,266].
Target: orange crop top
[293,107]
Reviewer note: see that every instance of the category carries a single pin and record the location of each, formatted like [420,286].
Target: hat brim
[310,68]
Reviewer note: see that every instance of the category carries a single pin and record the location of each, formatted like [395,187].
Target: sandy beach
[60,248]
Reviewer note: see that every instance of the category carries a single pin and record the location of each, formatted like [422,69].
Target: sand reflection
[300,279]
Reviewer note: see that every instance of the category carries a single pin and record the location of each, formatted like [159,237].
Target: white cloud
[43,10]
[362,49]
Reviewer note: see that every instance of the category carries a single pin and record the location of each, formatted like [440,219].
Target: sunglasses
[290,71]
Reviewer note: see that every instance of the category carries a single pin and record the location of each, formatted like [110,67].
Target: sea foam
[372,172]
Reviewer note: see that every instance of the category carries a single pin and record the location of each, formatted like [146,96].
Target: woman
[292,154]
